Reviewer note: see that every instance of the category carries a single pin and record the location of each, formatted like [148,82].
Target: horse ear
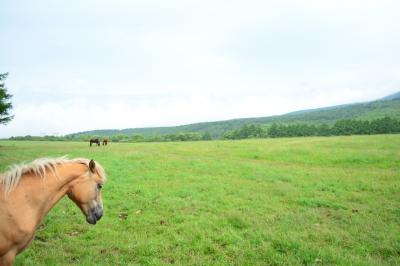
[92,166]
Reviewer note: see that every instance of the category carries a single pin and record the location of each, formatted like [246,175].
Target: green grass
[298,201]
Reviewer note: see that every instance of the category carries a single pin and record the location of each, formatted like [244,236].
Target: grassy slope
[325,201]
[364,111]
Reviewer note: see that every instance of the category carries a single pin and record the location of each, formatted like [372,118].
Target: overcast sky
[81,65]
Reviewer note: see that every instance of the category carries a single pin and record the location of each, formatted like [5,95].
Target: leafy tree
[324,130]
[120,138]
[182,136]
[5,104]
[245,132]
[273,131]
[137,138]
[206,136]
[228,134]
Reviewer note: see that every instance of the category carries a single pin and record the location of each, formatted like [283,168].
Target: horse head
[85,191]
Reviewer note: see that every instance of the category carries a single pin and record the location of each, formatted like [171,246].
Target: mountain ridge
[387,106]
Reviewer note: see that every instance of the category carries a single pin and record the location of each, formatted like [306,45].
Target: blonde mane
[38,167]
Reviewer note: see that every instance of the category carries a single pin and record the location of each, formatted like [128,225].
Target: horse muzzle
[94,214]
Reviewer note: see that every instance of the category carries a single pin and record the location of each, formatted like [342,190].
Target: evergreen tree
[5,104]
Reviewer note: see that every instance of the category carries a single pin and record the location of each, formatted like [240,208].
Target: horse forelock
[38,167]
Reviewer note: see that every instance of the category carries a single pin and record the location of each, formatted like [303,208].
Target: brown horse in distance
[105,142]
[28,192]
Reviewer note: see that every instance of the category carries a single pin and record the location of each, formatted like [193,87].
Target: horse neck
[38,195]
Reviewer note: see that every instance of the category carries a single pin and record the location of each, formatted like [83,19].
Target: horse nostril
[98,214]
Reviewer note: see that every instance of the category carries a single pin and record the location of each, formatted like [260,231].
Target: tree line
[183,136]
[386,125]
[344,127]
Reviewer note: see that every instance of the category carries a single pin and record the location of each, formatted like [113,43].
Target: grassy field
[298,201]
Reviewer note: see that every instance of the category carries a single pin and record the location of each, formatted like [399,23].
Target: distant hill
[392,96]
[388,106]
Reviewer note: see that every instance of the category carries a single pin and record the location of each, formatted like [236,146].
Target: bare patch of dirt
[123,215]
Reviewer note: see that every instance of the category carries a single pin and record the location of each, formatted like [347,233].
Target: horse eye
[99,186]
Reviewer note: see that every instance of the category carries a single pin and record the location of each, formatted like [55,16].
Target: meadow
[288,201]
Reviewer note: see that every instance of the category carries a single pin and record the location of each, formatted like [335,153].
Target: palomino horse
[97,141]
[28,192]
[105,142]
